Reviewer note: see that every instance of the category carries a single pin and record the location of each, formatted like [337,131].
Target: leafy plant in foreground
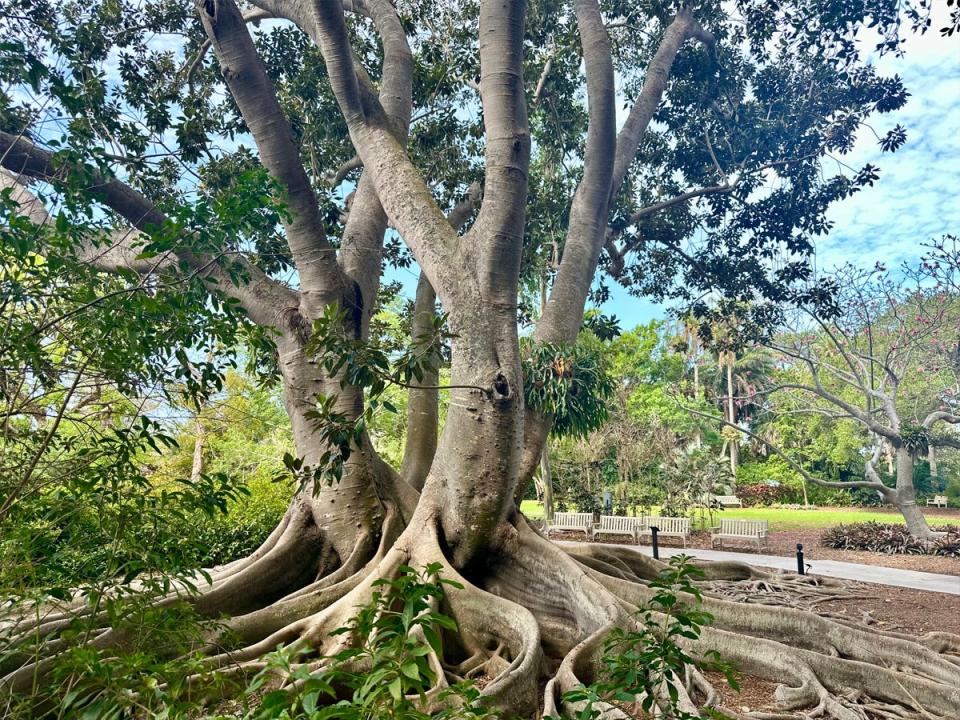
[646,665]
[386,671]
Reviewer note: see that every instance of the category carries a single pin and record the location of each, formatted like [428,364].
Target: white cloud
[914,199]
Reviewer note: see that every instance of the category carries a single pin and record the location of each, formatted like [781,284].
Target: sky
[916,197]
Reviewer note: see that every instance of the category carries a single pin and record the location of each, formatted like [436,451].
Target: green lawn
[783,519]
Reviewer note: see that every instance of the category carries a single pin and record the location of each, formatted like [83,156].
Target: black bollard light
[653,534]
[800,558]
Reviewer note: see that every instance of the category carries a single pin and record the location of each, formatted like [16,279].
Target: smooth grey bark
[547,478]
[321,281]
[422,412]
[906,497]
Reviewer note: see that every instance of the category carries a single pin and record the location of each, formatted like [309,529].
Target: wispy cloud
[915,198]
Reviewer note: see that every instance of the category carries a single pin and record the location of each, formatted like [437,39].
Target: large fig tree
[281,154]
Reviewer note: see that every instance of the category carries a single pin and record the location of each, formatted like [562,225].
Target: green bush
[790,484]
[759,495]
[385,674]
[70,538]
[644,663]
[953,492]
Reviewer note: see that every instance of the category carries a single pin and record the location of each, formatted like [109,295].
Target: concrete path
[930,582]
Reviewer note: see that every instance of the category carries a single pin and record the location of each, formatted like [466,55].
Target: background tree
[872,361]
[137,176]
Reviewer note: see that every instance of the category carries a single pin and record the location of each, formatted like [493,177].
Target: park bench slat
[668,527]
[728,501]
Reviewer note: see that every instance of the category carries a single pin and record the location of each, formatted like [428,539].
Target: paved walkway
[930,582]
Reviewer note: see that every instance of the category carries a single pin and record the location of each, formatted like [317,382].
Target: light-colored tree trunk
[932,459]
[196,469]
[732,412]
[546,477]
[906,497]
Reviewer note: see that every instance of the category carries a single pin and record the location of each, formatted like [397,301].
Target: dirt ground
[914,612]
[893,609]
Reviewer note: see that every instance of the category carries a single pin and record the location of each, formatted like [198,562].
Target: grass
[785,519]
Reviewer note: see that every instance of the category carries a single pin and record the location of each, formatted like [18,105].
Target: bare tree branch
[879,487]
[399,186]
[940,416]
[340,174]
[496,238]
[589,210]
[251,16]
[361,247]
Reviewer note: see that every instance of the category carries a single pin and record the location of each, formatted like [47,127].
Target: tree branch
[879,487]
[361,247]
[496,238]
[321,281]
[266,301]
[940,416]
[251,16]
[399,186]
[683,27]
[423,401]
[589,210]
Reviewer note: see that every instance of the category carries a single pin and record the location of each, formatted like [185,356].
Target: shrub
[643,664]
[387,674]
[953,492]
[758,495]
[892,539]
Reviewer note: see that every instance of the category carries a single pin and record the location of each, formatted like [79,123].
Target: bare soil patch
[896,609]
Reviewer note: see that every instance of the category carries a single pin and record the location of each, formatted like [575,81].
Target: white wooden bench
[619,525]
[667,527]
[573,522]
[732,529]
[938,501]
[728,501]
